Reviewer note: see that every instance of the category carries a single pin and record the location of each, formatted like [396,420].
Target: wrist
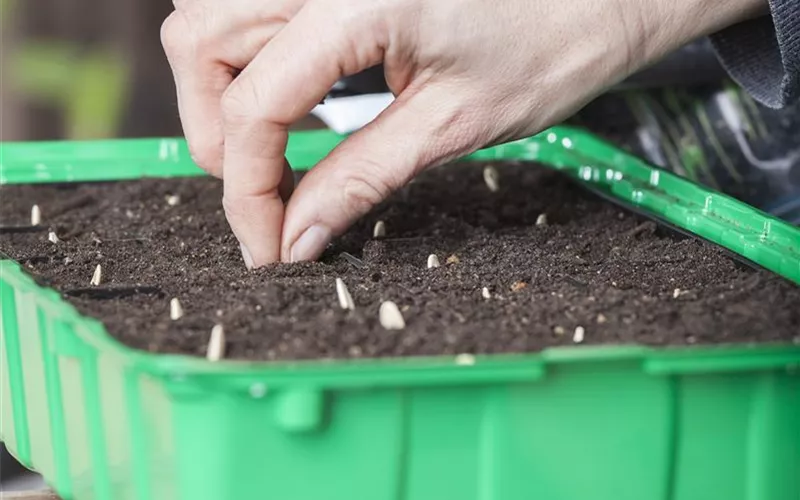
[668,25]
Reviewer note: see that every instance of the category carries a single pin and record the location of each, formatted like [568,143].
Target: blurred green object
[90,87]
[5,9]
[101,421]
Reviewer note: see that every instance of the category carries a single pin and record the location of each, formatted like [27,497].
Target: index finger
[200,83]
[280,86]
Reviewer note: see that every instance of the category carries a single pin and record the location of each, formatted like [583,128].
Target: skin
[466,74]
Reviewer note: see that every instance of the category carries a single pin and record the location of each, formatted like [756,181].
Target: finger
[200,83]
[199,93]
[281,85]
[204,65]
[415,132]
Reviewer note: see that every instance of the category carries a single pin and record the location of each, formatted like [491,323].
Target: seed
[36,215]
[559,330]
[453,259]
[676,293]
[465,360]
[491,178]
[518,285]
[216,344]
[173,200]
[577,337]
[379,231]
[352,259]
[541,220]
[433,261]
[390,316]
[345,299]
[485,293]
[97,277]
[52,237]
[175,309]
[601,319]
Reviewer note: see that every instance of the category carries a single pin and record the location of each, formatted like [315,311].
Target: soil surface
[621,278]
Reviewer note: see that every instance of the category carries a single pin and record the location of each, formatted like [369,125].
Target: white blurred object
[348,114]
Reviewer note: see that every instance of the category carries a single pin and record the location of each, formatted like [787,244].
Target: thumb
[420,129]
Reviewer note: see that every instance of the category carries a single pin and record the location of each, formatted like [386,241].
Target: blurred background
[85,69]
[88,69]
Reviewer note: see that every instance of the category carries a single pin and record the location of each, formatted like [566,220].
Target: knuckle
[186,30]
[207,155]
[172,29]
[234,207]
[364,190]
[177,37]
[239,103]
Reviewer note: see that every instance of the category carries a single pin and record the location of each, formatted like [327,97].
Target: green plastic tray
[101,421]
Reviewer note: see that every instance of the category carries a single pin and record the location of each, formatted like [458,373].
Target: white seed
[577,337]
[676,293]
[492,178]
[541,220]
[97,277]
[390,316]
[345,299]
[433,261]
[52,237]
[36,215]
[465,360]
[216,344]
[173,200]
[379,231]
[485,293]
[175,309]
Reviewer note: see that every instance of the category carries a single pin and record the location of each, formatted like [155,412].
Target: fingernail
[310,244]
[248,259]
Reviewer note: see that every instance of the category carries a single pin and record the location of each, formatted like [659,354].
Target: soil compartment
[621,278]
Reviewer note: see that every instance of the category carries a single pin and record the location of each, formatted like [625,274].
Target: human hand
[466,73]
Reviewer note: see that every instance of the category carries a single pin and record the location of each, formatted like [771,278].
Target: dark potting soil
[621,278]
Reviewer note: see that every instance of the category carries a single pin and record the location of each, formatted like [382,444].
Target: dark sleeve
[763,55]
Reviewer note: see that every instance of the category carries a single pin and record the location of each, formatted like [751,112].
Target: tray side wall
[101,426]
